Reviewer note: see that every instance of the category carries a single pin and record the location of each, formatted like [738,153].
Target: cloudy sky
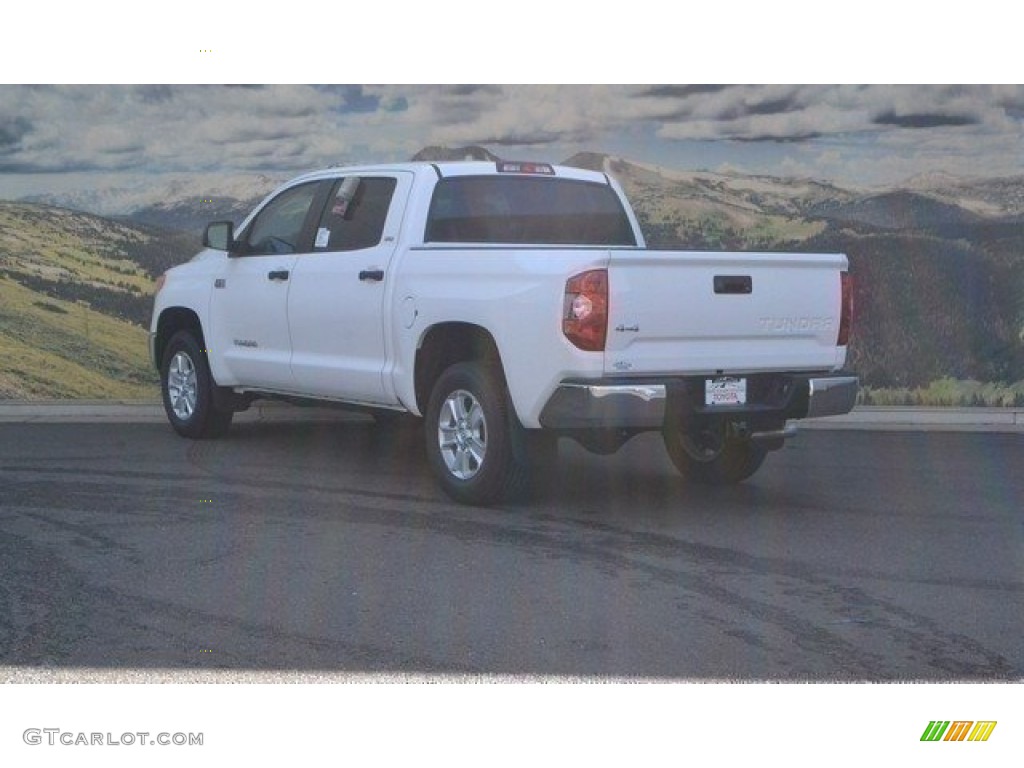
[56,137]
[60,138]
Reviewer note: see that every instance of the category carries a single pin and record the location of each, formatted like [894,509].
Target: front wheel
[470,436]
[189,393]
[713,455]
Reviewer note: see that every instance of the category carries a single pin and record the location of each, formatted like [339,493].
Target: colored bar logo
[958,730]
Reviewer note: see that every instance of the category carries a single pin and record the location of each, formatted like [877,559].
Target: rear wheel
[712,454]
[193,404]
[471,434]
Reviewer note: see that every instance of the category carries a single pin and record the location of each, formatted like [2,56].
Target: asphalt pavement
[300,548]
[862,417]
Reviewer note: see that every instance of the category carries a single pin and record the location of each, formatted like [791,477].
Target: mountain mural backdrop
[938,265]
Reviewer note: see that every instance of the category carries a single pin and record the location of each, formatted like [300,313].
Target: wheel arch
[445,344]
[172,320]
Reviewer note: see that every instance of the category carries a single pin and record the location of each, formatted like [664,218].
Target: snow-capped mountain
[177,202]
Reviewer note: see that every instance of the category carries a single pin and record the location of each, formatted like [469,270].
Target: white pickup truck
[507,304]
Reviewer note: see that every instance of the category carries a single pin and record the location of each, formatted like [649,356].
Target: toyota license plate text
[725,391]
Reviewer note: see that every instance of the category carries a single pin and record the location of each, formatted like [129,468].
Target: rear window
[526,210]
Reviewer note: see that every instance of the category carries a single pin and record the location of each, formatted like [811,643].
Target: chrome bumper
[642,405]
[581,406]
[831,396]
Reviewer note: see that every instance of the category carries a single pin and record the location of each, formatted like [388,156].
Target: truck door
[248,306]
[336,307]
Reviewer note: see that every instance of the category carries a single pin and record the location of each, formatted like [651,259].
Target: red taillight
[846,310]
[585,310]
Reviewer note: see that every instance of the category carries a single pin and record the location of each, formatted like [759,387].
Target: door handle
[277,274]
[741,284]
[373,275]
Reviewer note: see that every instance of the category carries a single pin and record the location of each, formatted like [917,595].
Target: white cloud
[842,132]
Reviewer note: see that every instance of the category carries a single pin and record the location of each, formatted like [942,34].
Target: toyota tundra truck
[507,305]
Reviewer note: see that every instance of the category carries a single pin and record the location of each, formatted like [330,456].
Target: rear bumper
[774,398]
[577,405]
[831,395]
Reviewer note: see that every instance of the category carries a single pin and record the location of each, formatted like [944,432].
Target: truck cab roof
[450,168]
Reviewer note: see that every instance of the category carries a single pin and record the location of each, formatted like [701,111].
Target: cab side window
[352,223]
[279,227]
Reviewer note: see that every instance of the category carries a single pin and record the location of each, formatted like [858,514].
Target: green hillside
[929,307]
[73,304]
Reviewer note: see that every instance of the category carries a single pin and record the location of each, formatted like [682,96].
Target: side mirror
[220,235]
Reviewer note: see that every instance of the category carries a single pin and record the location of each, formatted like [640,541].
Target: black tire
[471,436]
[193,402]
[725,460]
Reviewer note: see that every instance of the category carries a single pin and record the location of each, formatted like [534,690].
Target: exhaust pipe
[773,439]
[775,434]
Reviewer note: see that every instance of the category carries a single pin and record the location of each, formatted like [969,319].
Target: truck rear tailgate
[696,312]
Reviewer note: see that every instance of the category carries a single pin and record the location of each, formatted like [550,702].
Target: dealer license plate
[725,391]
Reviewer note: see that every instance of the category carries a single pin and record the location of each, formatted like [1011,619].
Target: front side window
[526,210]
[278,228]
[356,212]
